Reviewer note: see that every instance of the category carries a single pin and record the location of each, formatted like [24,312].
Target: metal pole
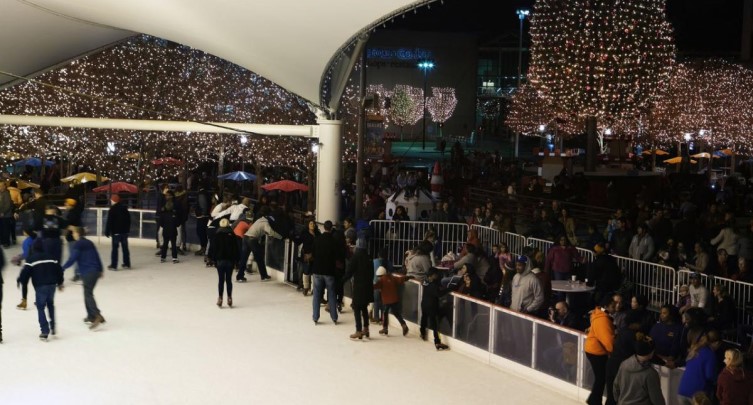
[520,73]
[423,137]
[360,146]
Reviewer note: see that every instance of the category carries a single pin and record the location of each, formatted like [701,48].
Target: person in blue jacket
[19,259]
[85,254]
[700,370]
[45,273]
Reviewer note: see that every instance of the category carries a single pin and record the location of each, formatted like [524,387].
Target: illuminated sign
[398,53]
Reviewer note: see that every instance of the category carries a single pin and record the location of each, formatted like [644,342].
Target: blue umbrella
[35,162]
[238,176]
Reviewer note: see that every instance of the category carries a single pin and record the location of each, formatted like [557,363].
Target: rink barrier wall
[489,333]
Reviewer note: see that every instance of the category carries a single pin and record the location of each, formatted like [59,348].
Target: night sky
[702,27]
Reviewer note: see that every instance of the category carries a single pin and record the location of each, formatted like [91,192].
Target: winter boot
[219,302]
[357,335]
[366,332]
[441,346]
[22,305]
[405,329]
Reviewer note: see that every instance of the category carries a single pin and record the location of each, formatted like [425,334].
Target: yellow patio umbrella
[83,177]
[678,159]
[659,152]
[23,184]
[703,155]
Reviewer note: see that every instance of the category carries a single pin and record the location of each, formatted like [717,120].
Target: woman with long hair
[306,239]
[734,386]
[700,369]
[225,255]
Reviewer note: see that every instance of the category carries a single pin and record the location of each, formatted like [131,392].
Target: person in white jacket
[527,294]
[726,239]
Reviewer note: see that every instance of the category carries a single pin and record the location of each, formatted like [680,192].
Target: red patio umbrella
[285,185]
[117,187]
[167,161]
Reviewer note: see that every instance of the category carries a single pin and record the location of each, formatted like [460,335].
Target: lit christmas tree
[403,107]
[602,60]
[441,105]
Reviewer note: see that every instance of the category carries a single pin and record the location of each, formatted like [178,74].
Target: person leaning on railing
[599,344]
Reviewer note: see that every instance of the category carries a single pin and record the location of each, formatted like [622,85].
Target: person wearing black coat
[45,273]
[361,269]
[624,348]
[432,292]
[225,255]
[603,274]
[325,251]
[118,226]
[202,210]
[169,220]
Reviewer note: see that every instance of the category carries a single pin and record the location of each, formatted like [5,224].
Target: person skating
[2,267]
[430,306]
[168,220]
[52,229]
[225,255]
[119,226]
[73,214]
[388,285]
[360,269]
[258,231]
[45,274]
[19,259]
[84,254]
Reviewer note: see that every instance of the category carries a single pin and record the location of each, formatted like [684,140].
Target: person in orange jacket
[599,345]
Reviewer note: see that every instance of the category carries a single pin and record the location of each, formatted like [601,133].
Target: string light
[600,58]
[441,104]
[164,80]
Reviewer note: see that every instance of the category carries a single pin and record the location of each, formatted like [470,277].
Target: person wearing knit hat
[637,382]
[73,213]
[388,284]
[118,226]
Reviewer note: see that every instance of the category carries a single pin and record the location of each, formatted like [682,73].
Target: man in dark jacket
[6,213]
[430,306]
[53,226]
[85,255]
[202,210]
[621,238]
[325,251]
[361,269]
[169,220]
[118,226]
[603,273]
[45,273]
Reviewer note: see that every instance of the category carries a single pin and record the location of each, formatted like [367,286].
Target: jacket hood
[632,365]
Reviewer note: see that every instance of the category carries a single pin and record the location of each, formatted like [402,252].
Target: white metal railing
[655,281]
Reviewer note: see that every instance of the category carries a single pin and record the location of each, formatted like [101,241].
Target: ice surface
[166,342]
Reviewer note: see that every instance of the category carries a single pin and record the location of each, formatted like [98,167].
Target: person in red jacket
[734,386]
[388,284]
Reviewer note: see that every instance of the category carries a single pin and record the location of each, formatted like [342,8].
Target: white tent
[418,206]
[290,42]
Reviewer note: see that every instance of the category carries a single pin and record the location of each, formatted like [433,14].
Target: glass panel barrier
[411,302]
[275,253]
[588,373]
[513,338]
[472,323]
[557,353]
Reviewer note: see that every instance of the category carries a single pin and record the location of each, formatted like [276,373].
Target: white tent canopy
[291,43]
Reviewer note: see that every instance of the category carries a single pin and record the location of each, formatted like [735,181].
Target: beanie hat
[381,271]
[224,223]
[70,202]
[599,248]
[644,347]
[115,198]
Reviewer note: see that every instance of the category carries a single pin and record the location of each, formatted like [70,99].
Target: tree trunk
[591,144]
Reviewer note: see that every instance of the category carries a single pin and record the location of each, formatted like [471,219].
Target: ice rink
[166,342]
